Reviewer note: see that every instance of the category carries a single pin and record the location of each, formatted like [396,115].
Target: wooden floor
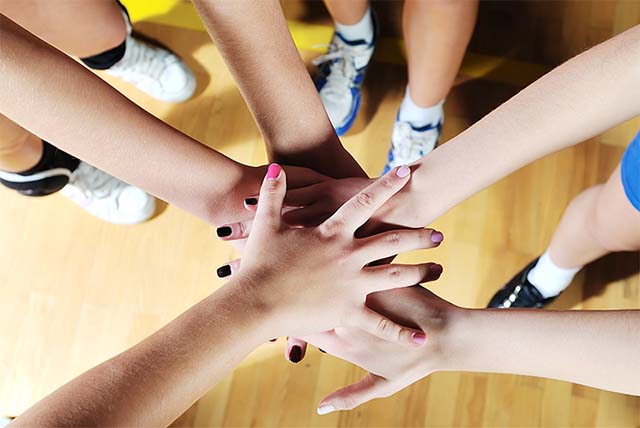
[75,291]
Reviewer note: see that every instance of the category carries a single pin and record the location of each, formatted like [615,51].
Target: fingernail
[419,338]
[295,355]
[251,201]
[273,340]
[223,231]
[322,350]
[436,270]
[223,271]
[437,237]
[327,408]
[273,171]
[403,171]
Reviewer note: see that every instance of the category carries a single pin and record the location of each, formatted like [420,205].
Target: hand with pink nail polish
[315,279]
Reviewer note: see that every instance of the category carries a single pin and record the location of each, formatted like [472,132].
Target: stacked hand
[328,272]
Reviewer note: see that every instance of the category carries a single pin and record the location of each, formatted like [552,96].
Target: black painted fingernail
[436,271]
[251,201]
[322,350]
[223,271]
[295,355]
[223,231]
[273,340]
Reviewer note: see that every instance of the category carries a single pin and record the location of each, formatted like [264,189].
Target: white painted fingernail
[327,408]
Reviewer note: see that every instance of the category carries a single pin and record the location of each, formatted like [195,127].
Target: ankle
[549,278]
[22,154]
[361,30]
[417,115]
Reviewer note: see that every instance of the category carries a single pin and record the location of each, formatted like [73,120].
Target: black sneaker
[519,293]
[50,175]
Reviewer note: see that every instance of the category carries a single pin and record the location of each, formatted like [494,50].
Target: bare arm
[255,42]
[594,348]
[57,99]
[576,101]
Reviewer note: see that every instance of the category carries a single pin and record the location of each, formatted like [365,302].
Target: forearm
[57,99]
[578,100]
[157,380]
[254,39]
[595,348]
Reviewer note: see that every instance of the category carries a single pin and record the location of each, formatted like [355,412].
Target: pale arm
[255,42]
[576,101]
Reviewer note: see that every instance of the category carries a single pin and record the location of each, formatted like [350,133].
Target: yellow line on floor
[313,37]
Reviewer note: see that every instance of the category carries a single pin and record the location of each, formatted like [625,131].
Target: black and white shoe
[520,293]
[97,192]
[50,175]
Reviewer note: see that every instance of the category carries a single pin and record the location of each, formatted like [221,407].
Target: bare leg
[598,221]
[20,150]
[347,12]
[436,34]
[73,26]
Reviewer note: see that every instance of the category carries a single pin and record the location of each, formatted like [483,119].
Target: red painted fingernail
[403,171]
[419,338]
[437,237]
[436,270]
[273,171]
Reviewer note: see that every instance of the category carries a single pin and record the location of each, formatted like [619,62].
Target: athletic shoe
[154,70]
[340,75]
[108,198]
[520,293]
[409,143]
[4,422]
[50,174]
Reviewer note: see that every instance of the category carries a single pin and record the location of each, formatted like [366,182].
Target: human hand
[331,262]
[390,368]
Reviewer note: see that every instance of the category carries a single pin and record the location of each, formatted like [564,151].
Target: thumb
[370,387]
[268,214]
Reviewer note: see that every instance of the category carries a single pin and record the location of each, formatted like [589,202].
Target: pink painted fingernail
[403,171]
[419,338]
[273,172]
[437,237]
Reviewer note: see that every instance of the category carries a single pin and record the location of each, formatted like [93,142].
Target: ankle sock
[362,30]
[108,58]
[549,278]
[419,116]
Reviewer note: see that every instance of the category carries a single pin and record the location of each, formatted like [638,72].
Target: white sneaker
[340,75]
[408,143]
[108,198]
[155,71]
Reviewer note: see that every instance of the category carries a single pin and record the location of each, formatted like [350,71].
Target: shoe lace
[93,183]
[410,144]
[340,58]
[141,61]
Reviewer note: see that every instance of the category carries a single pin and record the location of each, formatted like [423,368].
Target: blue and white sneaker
[340,75]
[408,143]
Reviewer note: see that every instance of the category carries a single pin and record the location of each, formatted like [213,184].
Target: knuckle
[387,182]
[349,402]
[364,200]
[331,227]
[393,239]
[394,273]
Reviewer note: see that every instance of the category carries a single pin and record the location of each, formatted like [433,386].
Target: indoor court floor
[76,291]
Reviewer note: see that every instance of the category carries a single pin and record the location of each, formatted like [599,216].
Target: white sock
[362,30]
[549,278]
[419,116]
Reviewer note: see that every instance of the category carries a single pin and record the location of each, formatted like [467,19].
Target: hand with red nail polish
[392,367]
[315,279]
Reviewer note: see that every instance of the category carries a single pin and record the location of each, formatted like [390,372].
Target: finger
[357,210]
[251,203]
[302,177]
[352,396]
[233,231]
[394,242]
[387,277]
[301,197]
[382,327]
[295,350]
[272,192]
[229,269]
[306,217]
